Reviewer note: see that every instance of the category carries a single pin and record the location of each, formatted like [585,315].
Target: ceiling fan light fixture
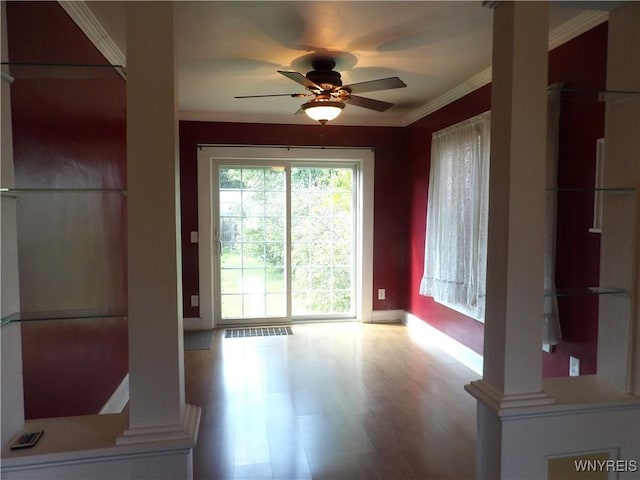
[322,111]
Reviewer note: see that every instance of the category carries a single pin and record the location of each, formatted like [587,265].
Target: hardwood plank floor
[332,401]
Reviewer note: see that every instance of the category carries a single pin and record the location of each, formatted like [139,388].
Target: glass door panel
[252,242]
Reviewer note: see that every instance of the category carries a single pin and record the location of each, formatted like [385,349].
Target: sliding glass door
[285,242]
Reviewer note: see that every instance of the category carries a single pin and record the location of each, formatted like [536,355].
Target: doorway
[284,234]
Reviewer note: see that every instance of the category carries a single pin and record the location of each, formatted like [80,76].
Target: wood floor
[332,401]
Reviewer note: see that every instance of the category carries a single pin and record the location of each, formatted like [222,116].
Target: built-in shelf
[61,71]
[602,95]
[585,291]
[20,190]
[612,190]
[81,314]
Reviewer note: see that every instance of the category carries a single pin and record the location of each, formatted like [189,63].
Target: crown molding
[344,120]
[567,31]
[82,15]
[576,26]
[479,80]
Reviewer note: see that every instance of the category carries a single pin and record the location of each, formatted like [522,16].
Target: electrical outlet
[194,237]
[574,367]
[195,300]
[381,294]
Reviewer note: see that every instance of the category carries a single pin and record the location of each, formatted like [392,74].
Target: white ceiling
[234,48]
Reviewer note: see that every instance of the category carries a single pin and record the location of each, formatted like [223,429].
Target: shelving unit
[586,291]
[62,71]
[64,215]
[86,314]
[79,173]
[571,193]
[13,192]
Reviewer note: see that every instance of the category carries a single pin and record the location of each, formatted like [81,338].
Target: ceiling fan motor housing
[323,73]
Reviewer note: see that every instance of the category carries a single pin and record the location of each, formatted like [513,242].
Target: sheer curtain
[457,211]
[550,322]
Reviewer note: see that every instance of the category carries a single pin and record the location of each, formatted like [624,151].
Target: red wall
[391,200]
[580,64]
[68,133]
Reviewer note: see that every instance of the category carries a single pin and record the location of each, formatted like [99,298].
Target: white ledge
[94,438]
[560,396]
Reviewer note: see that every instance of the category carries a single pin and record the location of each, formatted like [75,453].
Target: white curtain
[457,211]
[550,323]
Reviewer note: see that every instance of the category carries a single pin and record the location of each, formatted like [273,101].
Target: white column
[512,374]
[157,407]
[619,326]
[12,390]
[513,326]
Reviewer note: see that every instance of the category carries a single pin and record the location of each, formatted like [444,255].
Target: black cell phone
[27,440]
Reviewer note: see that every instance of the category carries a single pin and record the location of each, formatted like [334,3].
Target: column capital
[500,403]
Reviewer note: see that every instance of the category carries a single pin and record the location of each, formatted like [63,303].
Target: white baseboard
[193,323]
[119,399]
[387,316]
[455,349]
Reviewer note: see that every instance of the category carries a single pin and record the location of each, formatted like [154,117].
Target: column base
[186,431]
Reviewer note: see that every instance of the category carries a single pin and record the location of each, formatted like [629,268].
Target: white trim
[194,323]
[186,430]
[463,309]
[479,80]
[82,15]
[455,349]
[388,316]
[501,403]
[119,398]
[365,159]
[575,27]
[7,77]
[568,31]
[205,240]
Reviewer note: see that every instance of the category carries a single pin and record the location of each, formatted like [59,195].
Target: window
[457,211]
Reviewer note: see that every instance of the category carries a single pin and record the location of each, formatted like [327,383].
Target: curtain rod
[286,147]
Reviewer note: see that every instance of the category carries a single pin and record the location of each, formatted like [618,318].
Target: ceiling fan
[328,94]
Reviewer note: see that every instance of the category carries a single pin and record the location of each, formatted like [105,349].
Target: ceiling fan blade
[373,85]
[301,79]
[293,95]
[369,103]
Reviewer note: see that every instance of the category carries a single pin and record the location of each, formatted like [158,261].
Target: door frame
[209,155]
